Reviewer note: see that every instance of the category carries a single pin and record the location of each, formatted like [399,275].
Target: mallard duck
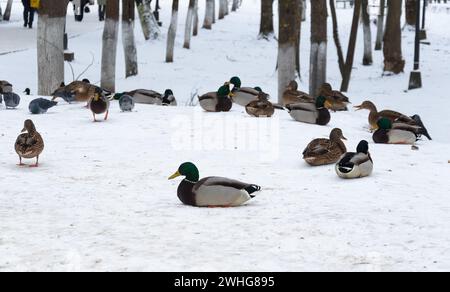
[325,151]
[337,101]
[393,116]
[99,104]
[11,99]
[79,91]
[27,91]
[395,133]
[311,113]
[29,144]
[40,106]
[217,101]
[261,107]
[126,103]
[292,95]
[242,95]
[145,96]
[5,87]
[211,191]
[356,164]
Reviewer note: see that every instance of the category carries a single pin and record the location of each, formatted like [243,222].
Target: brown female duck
[29,144]
[325,151]
[292,95]
[336,100]
[261,107]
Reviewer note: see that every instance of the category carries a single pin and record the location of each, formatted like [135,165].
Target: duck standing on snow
[29,144]
[11,99]
[356,164]
[126,103]
[145,96]
[242,95]
[211,191]
[393,116]
[311,113]
[217,101]
[5,87]
[40,106]
[325,151]
[292,95]
[395,133]
[79,91]
[261,107]
[99,104]
[337,101]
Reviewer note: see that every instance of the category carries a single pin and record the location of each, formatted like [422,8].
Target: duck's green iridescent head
[117,96]
[257,88]
[320,101]
[384,124]
[224,90]
[236,81]
[188,170]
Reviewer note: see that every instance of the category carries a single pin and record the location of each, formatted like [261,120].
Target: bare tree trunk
[288,14]
[195,29]
[380,26]
[351,47]
[304,10]
[367,59]
[172,32]
[50,45]
[227,7]
[214,11]
[298,36]
[410,12]
[337,41]
[7,14]
[150,26]
[393,59]
[209,12]
[188,26]
[109,51]
[128,41]
[222,9]
[318,57]
[235,5]
[266,25]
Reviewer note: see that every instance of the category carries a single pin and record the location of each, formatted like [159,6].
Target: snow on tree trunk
[150,27]
[266,25]
[195,29]
[410,12]
[235,5]
[7,14]
[380,26]
[188,26]
[222,9]
[128,41]
[286,44]
[393,59]
[172,32]
[367,59]
[209,12]
[50,45]
[109,51]
[318,57]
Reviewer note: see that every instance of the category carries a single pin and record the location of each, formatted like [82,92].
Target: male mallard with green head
[242,95]
[261,107]
[395,133]
[337,101]
[145,96]
[311,113]
[393,116]
[325,151]
[355,164]
[211,191]
[217,101]
[292,95]
[29,144]
[99,104]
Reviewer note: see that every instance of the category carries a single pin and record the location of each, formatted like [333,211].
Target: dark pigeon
[12,100]
[126,103]
[40,106]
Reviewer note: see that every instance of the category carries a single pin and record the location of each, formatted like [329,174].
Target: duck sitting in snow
[337,101]
[29,144]
[99,104]
[395,133]
[393,116]
[145,96]
[211,191]
[325,151]
[311,113]
[355,164]
[261,107]
[292,95]
[242,95]
[218,101]
[11,99]
[126,103]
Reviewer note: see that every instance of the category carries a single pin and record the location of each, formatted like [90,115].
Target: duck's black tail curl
[252,189]
[423,130]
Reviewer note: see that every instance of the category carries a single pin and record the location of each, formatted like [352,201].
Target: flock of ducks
[388,127]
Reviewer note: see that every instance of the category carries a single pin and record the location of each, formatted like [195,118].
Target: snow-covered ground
[101,199]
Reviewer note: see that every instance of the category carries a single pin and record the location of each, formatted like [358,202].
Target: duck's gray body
[244,95]
[11,99]
[41,106]
[126,103]
[307,112]
[144,96]
[354,165]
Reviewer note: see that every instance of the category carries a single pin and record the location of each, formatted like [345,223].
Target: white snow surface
[101,201]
